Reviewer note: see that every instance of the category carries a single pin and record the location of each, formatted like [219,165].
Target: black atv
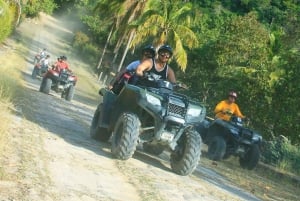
[226,138]
[154,116]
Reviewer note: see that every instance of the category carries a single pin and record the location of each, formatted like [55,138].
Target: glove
[228,112]
[146,74]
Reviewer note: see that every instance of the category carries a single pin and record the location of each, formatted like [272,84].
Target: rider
[159,66]
[61,64]
[45,61]
[147,53]
[226,108]
[43,53]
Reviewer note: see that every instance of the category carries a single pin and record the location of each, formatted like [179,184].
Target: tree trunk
[131,37]
[105,47]
[117,48]
[18,2]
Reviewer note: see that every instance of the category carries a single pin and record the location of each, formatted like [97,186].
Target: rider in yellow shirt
[226,108]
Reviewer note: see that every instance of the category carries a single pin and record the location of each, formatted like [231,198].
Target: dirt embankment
[52,157]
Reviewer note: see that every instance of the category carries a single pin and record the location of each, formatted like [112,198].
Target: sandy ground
[52,156]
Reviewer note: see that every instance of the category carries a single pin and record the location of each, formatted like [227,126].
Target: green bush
[90,53]
[32,8]
[282,154]
[6,18]
[84,47]
[80,39]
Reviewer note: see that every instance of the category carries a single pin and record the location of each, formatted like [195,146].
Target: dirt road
[52,156]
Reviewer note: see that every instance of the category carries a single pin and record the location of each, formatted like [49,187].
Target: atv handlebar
[153,77]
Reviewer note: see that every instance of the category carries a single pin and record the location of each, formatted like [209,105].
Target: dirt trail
[53,157]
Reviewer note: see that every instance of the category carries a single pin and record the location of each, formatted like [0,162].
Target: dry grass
[261,182]
[10,82]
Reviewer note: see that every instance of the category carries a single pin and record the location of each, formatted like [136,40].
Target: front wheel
[251,158]
[70,93]
[125,136]
[217,148]
[46,85]
[96,132]
[186,156]
[34,73]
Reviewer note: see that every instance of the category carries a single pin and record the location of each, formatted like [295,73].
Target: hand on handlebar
[228,112]
[181,85]
[146,74]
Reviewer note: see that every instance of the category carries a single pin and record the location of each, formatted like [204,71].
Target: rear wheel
[186,156]
[251,158]
[70,93]
[125,136]
[217,148]
[97,132]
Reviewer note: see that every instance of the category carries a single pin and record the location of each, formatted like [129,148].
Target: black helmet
[167,48]
[149,48]
[63,58]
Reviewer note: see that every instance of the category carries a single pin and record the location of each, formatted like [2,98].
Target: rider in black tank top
[163,73]
[158,67]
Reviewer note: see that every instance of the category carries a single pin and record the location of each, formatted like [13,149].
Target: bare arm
[171,75]
[144,66]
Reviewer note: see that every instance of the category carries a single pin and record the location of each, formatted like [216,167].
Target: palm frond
[187,35]
[179,52]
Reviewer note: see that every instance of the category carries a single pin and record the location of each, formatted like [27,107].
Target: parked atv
[39,70]
[226,138]
[156,117]
[63,82]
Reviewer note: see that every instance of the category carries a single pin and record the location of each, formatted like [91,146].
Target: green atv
[153,115]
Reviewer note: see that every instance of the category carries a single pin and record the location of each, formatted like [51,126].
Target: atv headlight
[256,138]
[153,100]
[194,113]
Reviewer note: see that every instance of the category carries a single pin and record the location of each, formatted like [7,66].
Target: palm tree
[168,22]
[104,8]
[120,13]
[134,11]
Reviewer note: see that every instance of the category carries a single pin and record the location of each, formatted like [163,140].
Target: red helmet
[233,94]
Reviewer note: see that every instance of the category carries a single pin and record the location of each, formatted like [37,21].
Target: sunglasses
[167,55]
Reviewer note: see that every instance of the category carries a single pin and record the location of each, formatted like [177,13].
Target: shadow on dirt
[138,155]
[222,182]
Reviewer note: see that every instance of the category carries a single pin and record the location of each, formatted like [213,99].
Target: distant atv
[37,58]
[155,116]
[63,82]
[39,70]
[226,138]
